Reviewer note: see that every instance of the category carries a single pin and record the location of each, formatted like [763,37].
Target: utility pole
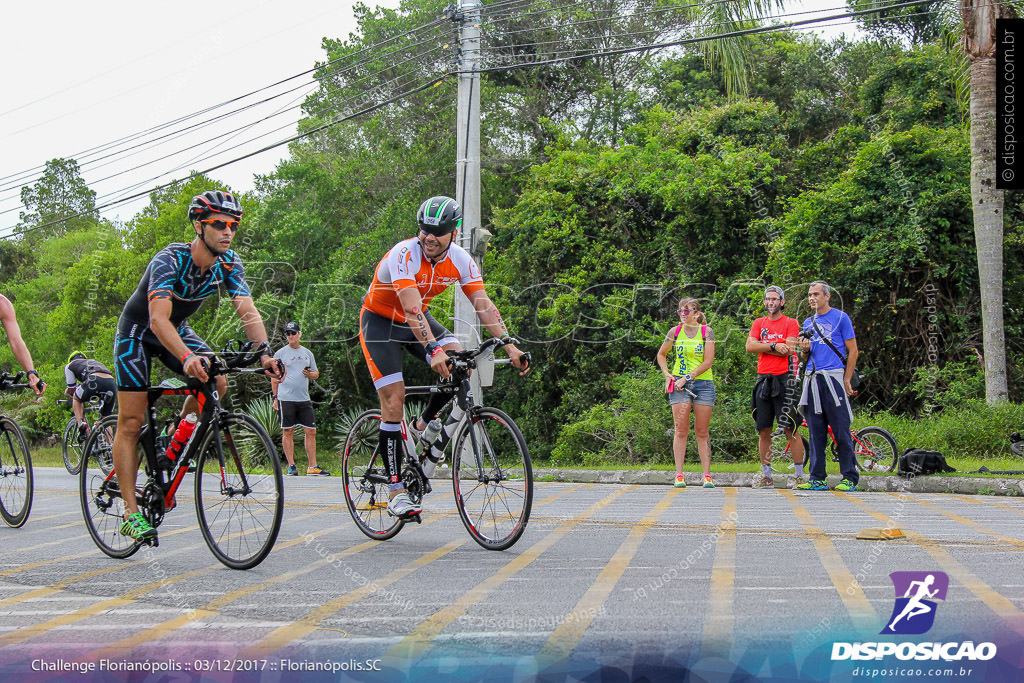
[467,168]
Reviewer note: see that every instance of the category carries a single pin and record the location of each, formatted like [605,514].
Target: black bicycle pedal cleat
[414,517]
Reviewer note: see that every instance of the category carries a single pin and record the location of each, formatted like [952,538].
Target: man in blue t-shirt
[826,391]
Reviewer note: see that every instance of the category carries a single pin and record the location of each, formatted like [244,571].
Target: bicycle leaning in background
[492,477]
[15,462]
[239,490]
[874,449]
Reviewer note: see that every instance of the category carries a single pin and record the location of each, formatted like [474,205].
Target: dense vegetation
[612,188]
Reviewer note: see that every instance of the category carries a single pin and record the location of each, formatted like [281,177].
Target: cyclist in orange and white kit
[394,316]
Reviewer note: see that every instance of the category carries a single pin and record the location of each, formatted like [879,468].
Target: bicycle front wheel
[492,478]
[875,449]
[366,484]
[100,494]
[15,474]
[72,447]
[239,507]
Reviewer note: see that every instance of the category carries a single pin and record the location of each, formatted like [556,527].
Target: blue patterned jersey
[172,274]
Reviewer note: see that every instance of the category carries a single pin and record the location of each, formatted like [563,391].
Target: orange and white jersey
[406,266]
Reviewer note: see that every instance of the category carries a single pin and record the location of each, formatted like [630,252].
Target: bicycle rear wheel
[15,474]
[240,509]
[1017,448]
[72,447]
[875,449]
[99,493]
[782,455]
[366,485]
[492,478]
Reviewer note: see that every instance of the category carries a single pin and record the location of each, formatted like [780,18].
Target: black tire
[781,457]
[494,496]
[1017,448]
[875,450]
[366,485]
[100,496]
[239,515]
[71,447]
[15,474]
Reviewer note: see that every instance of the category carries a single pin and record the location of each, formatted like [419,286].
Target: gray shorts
[703,388]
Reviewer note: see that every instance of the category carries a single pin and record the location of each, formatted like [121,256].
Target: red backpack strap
[679,328]
[704,333]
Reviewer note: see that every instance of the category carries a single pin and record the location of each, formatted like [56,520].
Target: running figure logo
[916,592]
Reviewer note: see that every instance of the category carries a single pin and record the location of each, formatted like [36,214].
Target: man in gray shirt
[291,399]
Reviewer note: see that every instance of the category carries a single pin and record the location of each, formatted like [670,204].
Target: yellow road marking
[862,613]
[984,500]
[24,633]
[570,632]
[311,620]
[1003,608]
[1016,542]
[417,642]
[721,620]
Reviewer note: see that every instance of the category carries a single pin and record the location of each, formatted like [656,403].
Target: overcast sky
[79,75]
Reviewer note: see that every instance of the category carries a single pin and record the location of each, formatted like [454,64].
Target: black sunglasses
[290,333]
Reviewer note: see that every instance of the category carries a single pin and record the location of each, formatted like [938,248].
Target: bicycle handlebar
[13,381]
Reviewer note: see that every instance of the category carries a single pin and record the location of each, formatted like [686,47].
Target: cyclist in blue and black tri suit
[155,323]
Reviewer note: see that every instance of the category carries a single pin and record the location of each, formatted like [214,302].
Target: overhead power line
[846,16]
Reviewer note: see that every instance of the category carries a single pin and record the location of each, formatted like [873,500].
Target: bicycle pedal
[413,517]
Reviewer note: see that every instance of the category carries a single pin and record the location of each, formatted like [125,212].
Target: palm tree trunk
[987,201]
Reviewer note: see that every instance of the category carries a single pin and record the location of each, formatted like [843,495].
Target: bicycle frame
[210,412]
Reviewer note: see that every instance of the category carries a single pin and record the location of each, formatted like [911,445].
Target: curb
[871,483]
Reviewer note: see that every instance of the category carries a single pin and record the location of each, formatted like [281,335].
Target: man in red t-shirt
[774,338]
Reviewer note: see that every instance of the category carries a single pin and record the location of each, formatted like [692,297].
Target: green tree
[58,202]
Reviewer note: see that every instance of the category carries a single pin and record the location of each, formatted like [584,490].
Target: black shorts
[104,387]
[383,339]
[297,414]
[781,407]
[133,356]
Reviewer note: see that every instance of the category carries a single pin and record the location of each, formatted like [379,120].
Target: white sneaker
[401,506]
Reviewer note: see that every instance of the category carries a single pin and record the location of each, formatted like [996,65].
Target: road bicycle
[492,478]
[74,438]
[1017,444]
[874,449]
[15,462]
[239,490]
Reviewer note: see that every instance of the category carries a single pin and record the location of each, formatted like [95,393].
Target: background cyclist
[86,378]
[394,316]
[155,323]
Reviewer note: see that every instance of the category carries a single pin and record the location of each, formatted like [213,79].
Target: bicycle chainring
[152,503]
[415,485]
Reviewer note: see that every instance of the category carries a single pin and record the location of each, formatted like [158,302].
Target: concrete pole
[467,183]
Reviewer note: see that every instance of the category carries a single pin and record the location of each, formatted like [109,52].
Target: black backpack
[917,461]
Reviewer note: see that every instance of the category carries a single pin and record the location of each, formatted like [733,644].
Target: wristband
[32,372]
[187,356]
[505,339]
[433,348]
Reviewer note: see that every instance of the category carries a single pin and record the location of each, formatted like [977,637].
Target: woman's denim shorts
[703,388]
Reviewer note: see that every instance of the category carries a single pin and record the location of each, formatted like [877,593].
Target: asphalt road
[641,580]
